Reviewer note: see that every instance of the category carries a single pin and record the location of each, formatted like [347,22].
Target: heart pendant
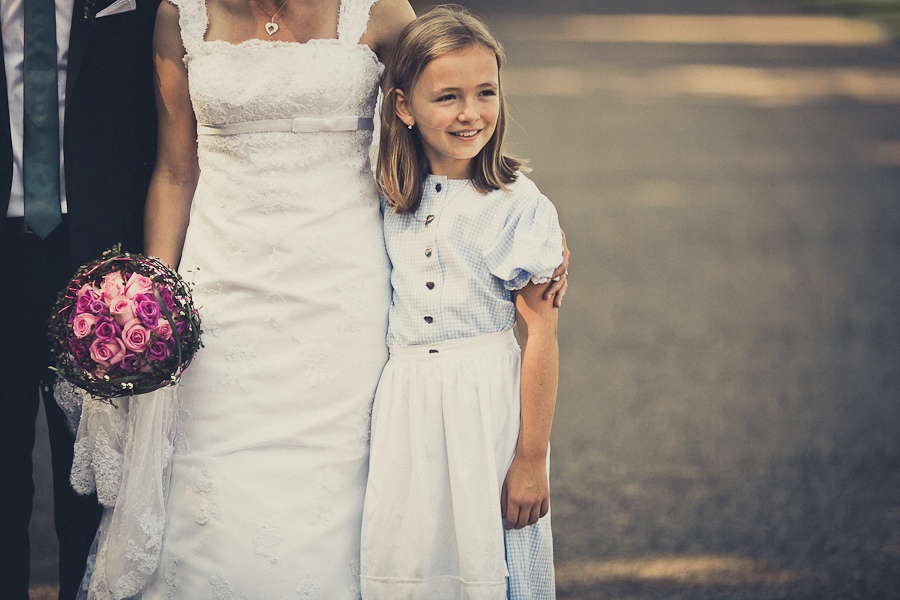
[271,27]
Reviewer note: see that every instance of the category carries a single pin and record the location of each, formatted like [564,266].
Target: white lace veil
[124,452]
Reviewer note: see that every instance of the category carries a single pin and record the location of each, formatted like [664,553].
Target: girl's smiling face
[454,105]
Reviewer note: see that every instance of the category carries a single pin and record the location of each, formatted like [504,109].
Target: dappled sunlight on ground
[703,569]
[885,153]
[693,29]
[756,86]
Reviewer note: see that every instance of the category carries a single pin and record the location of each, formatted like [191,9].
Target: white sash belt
[298,125]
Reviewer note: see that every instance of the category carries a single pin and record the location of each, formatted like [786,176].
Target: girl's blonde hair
[402,164]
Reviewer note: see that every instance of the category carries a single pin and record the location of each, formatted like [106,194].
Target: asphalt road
[728,412]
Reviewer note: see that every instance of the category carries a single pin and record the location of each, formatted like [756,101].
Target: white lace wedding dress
[287,258]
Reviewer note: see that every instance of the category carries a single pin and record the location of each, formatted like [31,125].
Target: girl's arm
[174,179]
[525,496]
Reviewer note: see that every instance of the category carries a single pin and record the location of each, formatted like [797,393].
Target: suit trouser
[32,272]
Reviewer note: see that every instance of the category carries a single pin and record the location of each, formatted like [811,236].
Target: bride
[264,199]
[263,196]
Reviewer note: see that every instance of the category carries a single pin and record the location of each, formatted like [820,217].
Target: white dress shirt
[12,20]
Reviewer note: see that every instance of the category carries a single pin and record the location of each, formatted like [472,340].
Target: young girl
[458,488]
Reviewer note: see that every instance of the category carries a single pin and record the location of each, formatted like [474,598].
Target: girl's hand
[525,496]
[557,288]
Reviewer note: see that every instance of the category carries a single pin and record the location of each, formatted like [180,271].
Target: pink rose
[122,309]
[99,373]
[112,285]
[138,284]
[163,330]
[83,324]
[106,353]
[87,290]
[135,336]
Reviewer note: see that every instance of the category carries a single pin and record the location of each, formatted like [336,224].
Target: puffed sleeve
[529,245]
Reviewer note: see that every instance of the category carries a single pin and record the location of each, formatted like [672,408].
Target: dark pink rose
[97,307]
[84,297]
[78,349]
[157,351]
[122,310]
[169,302]
[163,330]
[84,301]
[83,324]
[106,329]
[135,335]
[129,363]
[138,284]
[182,327]
[146,309]
[106,353]
[112,285]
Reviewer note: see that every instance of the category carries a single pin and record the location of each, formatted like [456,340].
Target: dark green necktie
[41,143]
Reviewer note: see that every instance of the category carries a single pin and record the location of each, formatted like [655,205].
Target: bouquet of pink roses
[124,325]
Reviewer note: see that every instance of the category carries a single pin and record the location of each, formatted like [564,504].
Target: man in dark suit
[108,119]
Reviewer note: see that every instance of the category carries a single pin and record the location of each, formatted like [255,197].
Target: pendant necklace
[271,26]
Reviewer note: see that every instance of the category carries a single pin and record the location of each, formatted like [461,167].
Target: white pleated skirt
[444,429]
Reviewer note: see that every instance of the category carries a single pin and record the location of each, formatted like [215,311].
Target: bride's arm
[387,19]
[175,177]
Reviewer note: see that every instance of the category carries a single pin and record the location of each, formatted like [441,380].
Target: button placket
[432,216]
[432,265]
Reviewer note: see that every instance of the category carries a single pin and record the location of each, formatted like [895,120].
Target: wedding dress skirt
[286,255]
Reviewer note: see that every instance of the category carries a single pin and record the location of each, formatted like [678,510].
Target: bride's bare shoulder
[386,21]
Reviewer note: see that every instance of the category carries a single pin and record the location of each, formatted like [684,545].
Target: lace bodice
[271,79]
[313,64]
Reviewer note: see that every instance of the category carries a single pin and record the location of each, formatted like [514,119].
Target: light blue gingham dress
[455,265]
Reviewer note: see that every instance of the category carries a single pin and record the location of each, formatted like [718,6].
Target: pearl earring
[409,126]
